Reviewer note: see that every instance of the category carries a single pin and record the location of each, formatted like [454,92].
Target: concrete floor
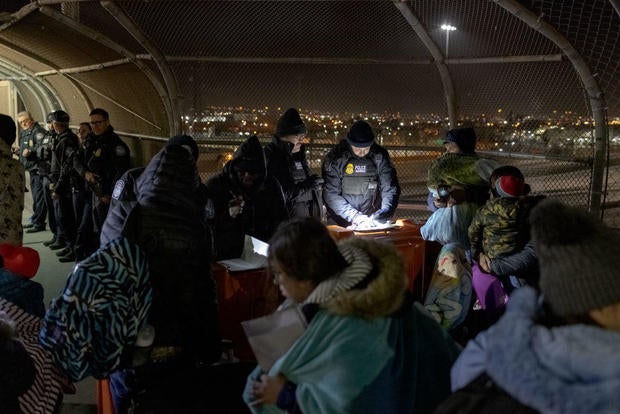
[52,275]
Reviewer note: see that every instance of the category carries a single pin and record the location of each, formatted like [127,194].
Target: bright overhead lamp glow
[448,27]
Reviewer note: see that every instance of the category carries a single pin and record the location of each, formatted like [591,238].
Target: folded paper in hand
[254,256]
[272,335]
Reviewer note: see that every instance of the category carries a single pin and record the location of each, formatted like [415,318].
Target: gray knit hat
[579,259]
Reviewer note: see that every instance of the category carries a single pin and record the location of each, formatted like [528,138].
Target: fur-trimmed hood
[384,294]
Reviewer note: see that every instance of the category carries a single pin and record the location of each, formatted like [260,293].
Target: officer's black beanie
[7,129]
[361,135]
[186,140]
[290,123]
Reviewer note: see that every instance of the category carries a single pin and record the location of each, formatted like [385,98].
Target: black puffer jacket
[263,204]
[301,188]
[342,169]
[167,222]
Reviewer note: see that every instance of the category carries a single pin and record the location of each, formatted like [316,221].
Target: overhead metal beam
[616,5]
[174,117]
[18,15]
[446,79]
[29,54]
[595,95]
[359,61]
[104,40]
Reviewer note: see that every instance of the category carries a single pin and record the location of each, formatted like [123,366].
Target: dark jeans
[49,204]
[39,209]
[83,209]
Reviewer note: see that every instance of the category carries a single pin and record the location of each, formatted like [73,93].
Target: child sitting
[19,264]
[499,229]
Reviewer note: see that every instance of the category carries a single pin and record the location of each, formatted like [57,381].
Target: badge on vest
[349,169]
[361,169]
[298,165]
[118,189]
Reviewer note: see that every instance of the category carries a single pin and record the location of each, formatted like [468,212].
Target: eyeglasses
[277,277]
[97,122]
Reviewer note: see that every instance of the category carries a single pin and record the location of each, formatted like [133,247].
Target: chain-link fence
[236,66]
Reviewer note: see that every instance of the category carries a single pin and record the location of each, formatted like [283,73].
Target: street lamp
[448,28]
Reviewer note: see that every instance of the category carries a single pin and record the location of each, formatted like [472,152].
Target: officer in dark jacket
[361,187]
[109,160]
[30,137]
[85,242]
[245,201]
[61,172]
[45,153]
[286,161]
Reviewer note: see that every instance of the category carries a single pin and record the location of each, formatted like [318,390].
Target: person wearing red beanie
[19,264]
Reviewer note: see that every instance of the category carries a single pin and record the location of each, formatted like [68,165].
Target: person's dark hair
[304,250]
[87,125]
[102,112]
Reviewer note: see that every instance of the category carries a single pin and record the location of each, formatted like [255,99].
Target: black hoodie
[263,204]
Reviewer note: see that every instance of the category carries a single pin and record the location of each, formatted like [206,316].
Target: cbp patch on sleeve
[120,151]
[118,189]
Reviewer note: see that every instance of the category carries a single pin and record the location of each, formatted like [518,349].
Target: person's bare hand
[484,262]
[266,390]
[90,177]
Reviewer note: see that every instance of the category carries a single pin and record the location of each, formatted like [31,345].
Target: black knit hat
[186,140]
[579,259]
[290,123]
[7,129]
[465,138]
[60,116]
[360,135]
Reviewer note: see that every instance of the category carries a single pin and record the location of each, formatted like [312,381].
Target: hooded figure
[458,183]
[245,201]
[168,223]
[286,161]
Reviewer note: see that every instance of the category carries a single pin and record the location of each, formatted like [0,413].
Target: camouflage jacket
[501,226]
[11,196]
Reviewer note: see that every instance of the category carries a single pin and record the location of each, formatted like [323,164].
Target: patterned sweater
[11,197]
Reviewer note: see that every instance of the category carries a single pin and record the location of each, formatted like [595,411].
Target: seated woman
[367,348]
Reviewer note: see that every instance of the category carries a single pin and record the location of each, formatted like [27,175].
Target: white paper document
[254,256]
[272,335]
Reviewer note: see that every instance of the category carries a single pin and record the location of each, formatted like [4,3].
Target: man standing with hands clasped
[361,188]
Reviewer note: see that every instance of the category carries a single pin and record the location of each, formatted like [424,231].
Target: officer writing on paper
[361,188]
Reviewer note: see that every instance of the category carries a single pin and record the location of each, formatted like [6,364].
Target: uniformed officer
[45,153]
[109,160]
[30,137]
[62,169]
[361,187]
[286,161]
